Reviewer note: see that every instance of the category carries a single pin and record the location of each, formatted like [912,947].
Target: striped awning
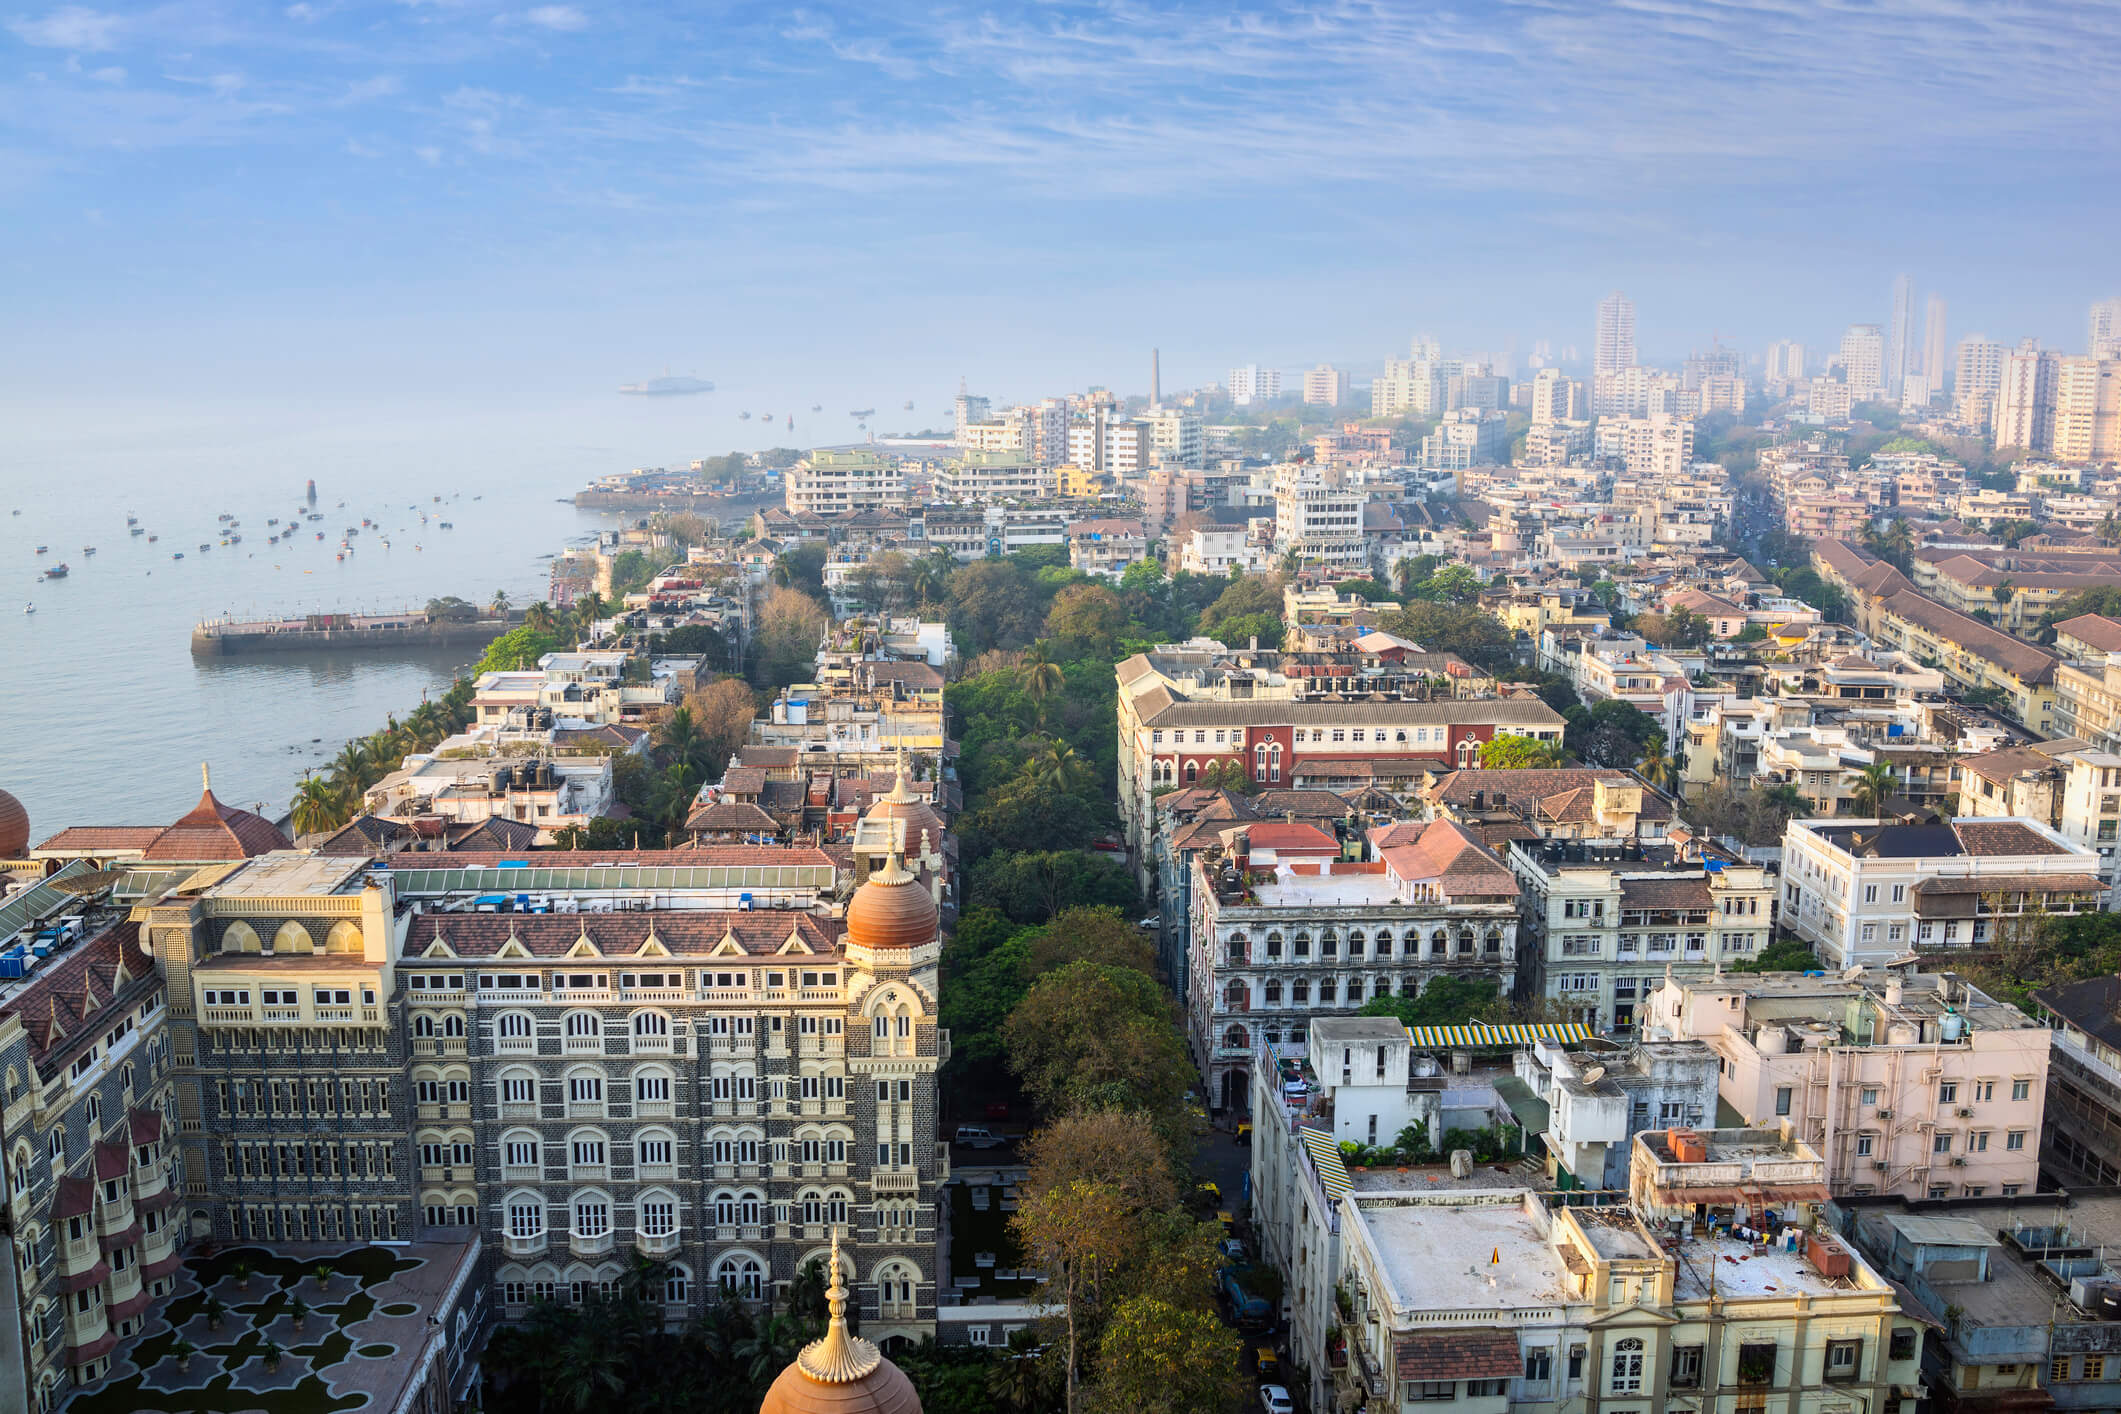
[1325,1157]
[1431,1038]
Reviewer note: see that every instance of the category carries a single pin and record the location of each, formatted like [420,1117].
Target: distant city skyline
[482,206]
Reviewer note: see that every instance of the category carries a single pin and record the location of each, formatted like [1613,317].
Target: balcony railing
[520,1245]
[895,1180]
[585,1245]
[654,1245]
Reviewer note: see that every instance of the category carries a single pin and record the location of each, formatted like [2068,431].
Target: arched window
[521,1149]
[240,937]
[1192,772]
[592,1214]
[651,1085]
[677,1285]
[895,1288]
[740,1275]
[344,937]
[526,1215]
[292,938]
[1465,940]
[453,1024]
[1274,944]
[1439,943]
[1329,946]
[1494,941]
[650,1023]
[1409,985]
[585,1087]
[1237,997]
[583,1023]
[1384,942]
[515,1031]
[519,1087]
[1237,1039]
[18,1178]
[588,1150]
[1627,1366]
[1273,997]
[1236,953]
[658,1214]
[654,1149]
[1355,944]
[423,1025]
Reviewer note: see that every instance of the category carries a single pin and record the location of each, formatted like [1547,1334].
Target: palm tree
[1546,754]
[541,617]
[672,797]
[1872,785]
[768,1350]
[681,739]
[1059,768]
[318,806]
[1656,766]
[1042,678]
[1020,1380]
[500,601]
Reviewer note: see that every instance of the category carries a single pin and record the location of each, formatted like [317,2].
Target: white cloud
[564,18]
[364,90]
[69,27]
[432,156]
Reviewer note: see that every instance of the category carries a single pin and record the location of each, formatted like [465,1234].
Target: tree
[1445,1001]
[724,710]
[1657,767]
[1227,775]
[1789,955]
[1158,1358]
[1097,935]
[1090,612]
[1057,768]
[1089,1036]
[1472,633]
[679,741]
[1515,753]
[784,644]
[1042,677]
[500,601]
[1454,583]
[318,806]
[518,648]
[1872,786]
[1119,1149]
[1031,886]
[1246,595]
[1077,1231]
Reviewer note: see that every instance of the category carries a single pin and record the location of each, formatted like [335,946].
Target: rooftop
[1464,1256]
[287,872]
[1724,1266]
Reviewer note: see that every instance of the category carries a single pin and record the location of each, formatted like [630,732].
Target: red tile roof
[67,997]
[1445,854]
[1456,1355]
[212,831]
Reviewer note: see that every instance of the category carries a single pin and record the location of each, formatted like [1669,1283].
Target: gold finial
[839,1358]
[901,792]
[206,779]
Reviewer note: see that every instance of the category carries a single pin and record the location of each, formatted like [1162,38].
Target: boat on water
[312,491]
[342,554]
[58,571]
[316,515]
[320,535]
[272,520]
[88,549]
[132,520]
[204,547]
[446,525]
[29,608]
[136,530]
[153,538]
[178,556]
[42,548]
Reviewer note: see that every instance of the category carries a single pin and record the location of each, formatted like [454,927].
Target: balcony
[229,1015]
[522,1245]
[335,1013]
[656,1245]
[653,1109]
[515,1046]
[586,1245]
[651,1045]
[895,1181]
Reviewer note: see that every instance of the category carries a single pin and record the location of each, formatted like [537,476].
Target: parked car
[1274,1399]
[1265,1363]
[1233,1249]
[974,1137]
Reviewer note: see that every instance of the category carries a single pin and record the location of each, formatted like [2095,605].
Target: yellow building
[1072,481]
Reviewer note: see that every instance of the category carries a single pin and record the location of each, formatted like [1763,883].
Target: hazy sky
[503,206]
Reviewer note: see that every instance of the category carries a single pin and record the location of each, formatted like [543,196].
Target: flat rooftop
[1328,890]
[1737,1269]
[1443,1256]
[1616,1235]
[286,872]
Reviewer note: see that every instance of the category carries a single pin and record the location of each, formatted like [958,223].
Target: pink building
[1921,1085]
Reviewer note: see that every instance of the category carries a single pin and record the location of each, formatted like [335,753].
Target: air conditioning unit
[1958,1163]
[1885,1114]
[1879,1164]
[1964,1112]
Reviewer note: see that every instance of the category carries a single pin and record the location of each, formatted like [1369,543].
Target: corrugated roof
[1430,1038]
[1325,1157]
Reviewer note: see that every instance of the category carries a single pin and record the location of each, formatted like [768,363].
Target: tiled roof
[495,832]
[2098,630]
[687,933]
[1445,854]
[744,780]
[2010,762]
[364,834]
[68,997]
[95,839]
[211,830]
[1679,891]
[1996,837]
[1304,804]
[2022,660]
[721,854]
[1277,835]
[2011,883]
[732,815]
[1437,1356]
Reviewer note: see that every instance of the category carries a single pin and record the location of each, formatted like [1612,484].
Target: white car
[1274,1399]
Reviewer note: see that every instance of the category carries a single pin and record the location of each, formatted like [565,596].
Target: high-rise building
[1556,397]
[2087,418]
[1900,337]
[2025,400]
[1615,348]
[2105,340]
[1785,361]
[971,408]
[1934,366]
[1325,386]
[1253,384]
[1863,362]
[1976,375]
[1408,386]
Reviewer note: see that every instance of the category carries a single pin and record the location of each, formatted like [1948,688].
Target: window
[1430,1389]
[588,1150]
[2014,1140]
[2021,1089]
[651,1086]
[1756,1364]
[1903,1344]
[2058,1371]
[1863,1146]
[1977,1143]
[1870,1094]
[658,1216]
[1686,1367]
[1627,1366]
[1538,1366]
[585,1088]
[1942,1143]
[653,1150]
[2095,1367]
[518,1088]
[520,1151]
[526,1217]
[1948,1092]
[1782,1100]
[1844,1359]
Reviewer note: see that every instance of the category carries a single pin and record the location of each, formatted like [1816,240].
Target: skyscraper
[1863,362]
[1976,378]
[1900,338]
[2025,403]
[2105,339]
[1615,347]
[1785,360]
[1934,366]
[1253,384]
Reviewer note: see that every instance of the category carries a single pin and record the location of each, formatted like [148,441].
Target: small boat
[132,520]
[205,547]
[909,405]
[223,517]
[235,540]
[153,538]
[178,556]
[743,417]
[445,525]
[316,515]
[320,535]
[29,608]
[272,520]
[342,554]
[136,530]
[15,513]
[817,407]
[42,548]
[58,571]
[88,549]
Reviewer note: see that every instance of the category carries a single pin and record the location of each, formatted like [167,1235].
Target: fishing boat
[88,550]
[58,571]
[178,556]
[320,535]
[272,520]
[446,525]
[136,530]
[41,549]
[29,608]
[342,554]
[132,520]
[204,547]
[153,538]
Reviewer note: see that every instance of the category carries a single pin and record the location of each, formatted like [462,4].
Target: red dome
[891,910]
[14,827]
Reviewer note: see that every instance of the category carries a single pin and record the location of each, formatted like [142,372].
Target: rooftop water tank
[1900,1033]
[1772,1040]
[1954,1026]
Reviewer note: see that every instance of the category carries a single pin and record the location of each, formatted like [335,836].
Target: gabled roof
[1445,855]
[2098,630]
[68,997]
[211,830]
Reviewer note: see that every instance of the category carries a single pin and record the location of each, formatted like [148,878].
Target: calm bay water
[106,715]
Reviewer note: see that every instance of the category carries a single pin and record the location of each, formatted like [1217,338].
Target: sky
[485,217]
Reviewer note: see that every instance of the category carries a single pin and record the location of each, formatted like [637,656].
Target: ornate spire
[839,1358]
[206,779]
[901,793]
[894,870]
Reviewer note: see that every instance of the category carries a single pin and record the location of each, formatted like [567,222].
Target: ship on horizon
[667,387]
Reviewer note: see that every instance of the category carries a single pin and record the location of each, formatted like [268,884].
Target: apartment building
[1557,398]
[1253,384]
[1598,1101]
[1284,932]
[1325,386]
[1466,437]
[1409,387]
[1977,376]
[1920,1085]
[1106,547]
[1658,445]
[2070,787]
[2025,398]
[2087,419]
[979,477]
[1318,516]
[832,482]
[1606,921]
[1866,893]
[1613,345]
[1863,362]
[1176,437]
[2082,1139]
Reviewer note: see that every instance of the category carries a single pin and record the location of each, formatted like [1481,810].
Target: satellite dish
[1595,1074]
